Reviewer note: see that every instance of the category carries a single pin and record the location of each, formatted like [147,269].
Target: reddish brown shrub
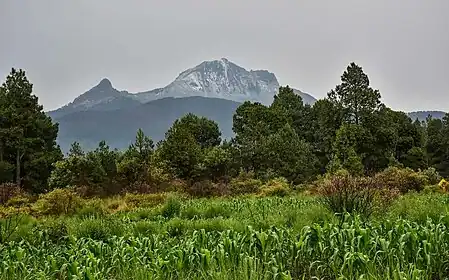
[207,188]
[8,191]
[357,195]
[402,179]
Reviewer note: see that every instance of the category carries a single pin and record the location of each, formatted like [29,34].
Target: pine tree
[27,134]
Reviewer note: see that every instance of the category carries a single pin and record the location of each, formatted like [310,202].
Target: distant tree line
[350,129]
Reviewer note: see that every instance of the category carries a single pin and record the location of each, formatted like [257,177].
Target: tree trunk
[18,168]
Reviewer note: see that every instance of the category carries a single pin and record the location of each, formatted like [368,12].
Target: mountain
[215,79]
[102,97]
[220,79]
[118,127]
[213,89]
[422,115]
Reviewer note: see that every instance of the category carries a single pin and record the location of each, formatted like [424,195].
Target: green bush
[216,210]
[19,201]
[92,208]
[171,208]
[97,229]
[57,202]
[312,214]
[191,212]
[145,228]
[420,207]
[402,179]
[275,187]
[143,214]
[55,230]
[244,184]
[176,227]
[432,175]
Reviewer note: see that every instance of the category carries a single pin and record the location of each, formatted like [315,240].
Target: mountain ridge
[216,78]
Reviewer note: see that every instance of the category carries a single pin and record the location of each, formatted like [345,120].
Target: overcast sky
[67,47]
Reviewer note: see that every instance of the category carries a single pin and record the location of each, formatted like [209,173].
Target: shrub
[206,188]
[97,229]
[245,183]
[404,179]
[176,227]
[8,191]
[144,214]
[276,187]
[58,201]
[312,214]
[346,194]
[92,208]
[432,189]
[216,210]
[9,226]
[171,208]
[55,230]
[191,213]
[145,228]
[419,207]
[19,201]
[432,175]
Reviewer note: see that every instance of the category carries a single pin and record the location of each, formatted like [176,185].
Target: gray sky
[66,47]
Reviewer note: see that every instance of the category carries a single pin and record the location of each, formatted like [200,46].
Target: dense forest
[351,129]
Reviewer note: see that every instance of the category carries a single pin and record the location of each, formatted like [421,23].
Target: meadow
[172,236]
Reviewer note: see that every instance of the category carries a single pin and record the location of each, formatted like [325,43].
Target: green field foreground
[233,238]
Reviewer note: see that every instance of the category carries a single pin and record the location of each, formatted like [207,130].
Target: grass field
[293,237]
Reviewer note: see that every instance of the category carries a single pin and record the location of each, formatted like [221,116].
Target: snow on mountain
[216,79]
[220,79]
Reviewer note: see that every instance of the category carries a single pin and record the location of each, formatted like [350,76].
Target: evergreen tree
[355,96]
[27,134]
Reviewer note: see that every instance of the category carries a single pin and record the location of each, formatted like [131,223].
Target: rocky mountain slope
[215,79]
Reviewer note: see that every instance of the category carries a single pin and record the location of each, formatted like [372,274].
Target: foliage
[384,251]
[27,135]
[402,179]
[245,183]
[171,208]
[97,229]
[181,152]
[276,187]
[8,226]
[343,193]
[8,191]
[145,200]
[57,202]
[432,175]
[217,162]
[207,188]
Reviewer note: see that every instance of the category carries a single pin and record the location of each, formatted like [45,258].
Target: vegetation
[344,189]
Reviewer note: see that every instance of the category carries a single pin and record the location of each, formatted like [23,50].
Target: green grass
[292,237]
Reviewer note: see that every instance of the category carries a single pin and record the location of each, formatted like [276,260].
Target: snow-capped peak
[223,79]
